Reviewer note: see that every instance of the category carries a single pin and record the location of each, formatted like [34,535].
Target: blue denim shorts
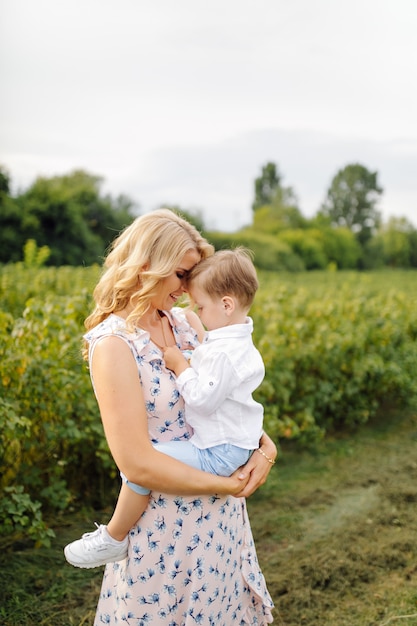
[222,460]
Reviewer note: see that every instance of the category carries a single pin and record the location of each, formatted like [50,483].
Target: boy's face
[212,312]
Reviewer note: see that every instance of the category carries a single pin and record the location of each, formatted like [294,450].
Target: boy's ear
[228,304]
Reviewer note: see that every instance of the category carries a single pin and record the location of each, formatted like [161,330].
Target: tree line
[67,214]
[70,219]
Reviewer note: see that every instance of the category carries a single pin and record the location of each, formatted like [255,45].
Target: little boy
[216,383]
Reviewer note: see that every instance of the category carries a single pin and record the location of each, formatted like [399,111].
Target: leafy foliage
[394,242]
[34,256]
[270,253]
[68,214]
[266,185]
[351,201]
[276,217]
[70,217]
[336,346]
[335,351]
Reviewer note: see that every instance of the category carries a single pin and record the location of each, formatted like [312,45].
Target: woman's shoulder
[112,325]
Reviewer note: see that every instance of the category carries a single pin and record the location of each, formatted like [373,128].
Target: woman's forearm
[164,473]
[259,466]
[122,407]
[268,447]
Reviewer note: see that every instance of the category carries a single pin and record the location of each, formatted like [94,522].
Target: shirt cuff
[185,376]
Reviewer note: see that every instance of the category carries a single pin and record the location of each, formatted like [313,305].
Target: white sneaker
[95,549]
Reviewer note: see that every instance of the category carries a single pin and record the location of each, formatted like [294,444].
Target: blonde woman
[190,556]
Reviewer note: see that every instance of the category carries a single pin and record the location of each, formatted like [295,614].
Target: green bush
[336,346]
[19,283]
[270,253]
[51,438]
[307,245]
[334,353]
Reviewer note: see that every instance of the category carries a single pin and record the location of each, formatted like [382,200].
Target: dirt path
[339,533]
[341,511]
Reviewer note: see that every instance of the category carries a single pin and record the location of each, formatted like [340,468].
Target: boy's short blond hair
[227,273]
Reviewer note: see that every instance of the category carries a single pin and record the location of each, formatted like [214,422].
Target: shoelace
[93,538]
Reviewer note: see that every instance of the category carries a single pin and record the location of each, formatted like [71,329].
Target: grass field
[335,529]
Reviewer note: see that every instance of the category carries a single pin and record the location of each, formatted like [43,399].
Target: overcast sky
[182,102]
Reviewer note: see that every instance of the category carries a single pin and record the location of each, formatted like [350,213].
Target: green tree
[70,215]
[395,240]
[11,238]
[413,247]
[4,181]
[351,201]
[281,214]
[266,186]
[275,206]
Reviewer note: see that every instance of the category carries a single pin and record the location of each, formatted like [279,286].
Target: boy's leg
[222,460]
[183,451]
[133,499]
[129,508]
[108,544]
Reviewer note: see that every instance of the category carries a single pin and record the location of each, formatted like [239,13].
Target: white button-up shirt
[225,370]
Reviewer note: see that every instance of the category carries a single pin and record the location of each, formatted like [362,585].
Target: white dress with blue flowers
[191,560]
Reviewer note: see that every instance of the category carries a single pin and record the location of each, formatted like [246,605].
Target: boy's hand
[175,360]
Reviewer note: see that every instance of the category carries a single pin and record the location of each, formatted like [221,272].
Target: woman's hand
[237,482]
[256,470]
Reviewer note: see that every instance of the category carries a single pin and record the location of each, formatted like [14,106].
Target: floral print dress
[191,560]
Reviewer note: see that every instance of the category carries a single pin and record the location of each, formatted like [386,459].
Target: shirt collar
[232,331]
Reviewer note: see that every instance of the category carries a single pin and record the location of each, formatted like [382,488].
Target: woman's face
[173,286]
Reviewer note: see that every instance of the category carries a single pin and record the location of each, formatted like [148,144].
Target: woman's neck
[159,327]
[150,318]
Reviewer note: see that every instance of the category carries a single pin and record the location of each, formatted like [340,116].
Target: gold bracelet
[272,461]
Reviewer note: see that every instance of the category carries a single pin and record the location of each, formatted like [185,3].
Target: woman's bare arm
[195,322]
[122,407]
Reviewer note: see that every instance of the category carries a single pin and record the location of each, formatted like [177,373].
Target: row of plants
[337,346]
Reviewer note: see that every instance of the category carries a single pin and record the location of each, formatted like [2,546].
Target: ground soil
[337,532]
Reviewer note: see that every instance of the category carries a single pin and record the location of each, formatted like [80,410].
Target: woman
[191,558]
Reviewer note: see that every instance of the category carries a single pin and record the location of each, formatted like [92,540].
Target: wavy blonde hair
[142,255]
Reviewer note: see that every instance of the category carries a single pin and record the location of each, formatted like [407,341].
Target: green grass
[335,530]
[39,588]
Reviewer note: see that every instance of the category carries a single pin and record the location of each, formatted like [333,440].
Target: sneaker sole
[90,565]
